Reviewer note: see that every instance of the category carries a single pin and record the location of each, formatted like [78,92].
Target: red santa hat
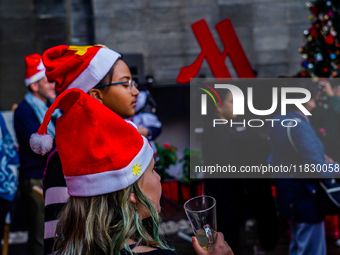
[81,67]
[99,151]
[35,69]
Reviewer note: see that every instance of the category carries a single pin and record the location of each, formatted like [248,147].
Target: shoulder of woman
[144,249]
[152,251]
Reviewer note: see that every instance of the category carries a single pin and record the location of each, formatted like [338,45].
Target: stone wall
[270,32]
[29,26]
[16,40]
[26,27]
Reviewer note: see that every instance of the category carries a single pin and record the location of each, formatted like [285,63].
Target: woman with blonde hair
[109,171]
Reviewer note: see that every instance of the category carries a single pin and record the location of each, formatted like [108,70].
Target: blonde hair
[102,224]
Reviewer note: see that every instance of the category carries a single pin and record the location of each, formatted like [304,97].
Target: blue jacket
[26,123]
[8,156]
[297,198]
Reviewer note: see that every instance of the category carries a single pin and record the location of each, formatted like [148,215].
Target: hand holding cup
[221,247]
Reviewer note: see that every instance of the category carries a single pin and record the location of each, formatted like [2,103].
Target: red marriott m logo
[211,53]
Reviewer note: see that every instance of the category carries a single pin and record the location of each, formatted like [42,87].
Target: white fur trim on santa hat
[41,144]
[132,124]
[110,181]
[35,78]
[97,69]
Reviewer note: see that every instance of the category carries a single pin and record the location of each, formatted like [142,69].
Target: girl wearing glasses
[101,73]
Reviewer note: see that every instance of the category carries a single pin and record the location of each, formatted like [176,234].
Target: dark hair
[29,88]
[223,93]
[108,77]
[211,107]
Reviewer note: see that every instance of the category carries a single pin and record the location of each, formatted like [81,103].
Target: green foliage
[190,159]
[166,156]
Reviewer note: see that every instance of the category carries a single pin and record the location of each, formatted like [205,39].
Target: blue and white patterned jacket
[9,160]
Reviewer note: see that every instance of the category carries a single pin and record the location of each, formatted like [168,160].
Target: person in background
[27,118]
[8,173]
[297,199]
[111,180]
[145,118]
[326,118]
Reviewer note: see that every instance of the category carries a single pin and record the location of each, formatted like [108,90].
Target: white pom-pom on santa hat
[41,144]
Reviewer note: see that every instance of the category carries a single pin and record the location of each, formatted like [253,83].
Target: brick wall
[26,27]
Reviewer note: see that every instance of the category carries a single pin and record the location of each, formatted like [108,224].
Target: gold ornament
[80,50]
[310,38]
[310,17]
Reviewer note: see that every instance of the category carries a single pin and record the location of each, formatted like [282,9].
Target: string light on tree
[321,53]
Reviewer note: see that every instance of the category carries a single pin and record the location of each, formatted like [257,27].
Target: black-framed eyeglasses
[131,84]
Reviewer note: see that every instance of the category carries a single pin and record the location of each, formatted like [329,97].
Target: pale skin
[327,88]
[221,247]
[143,131]
[43,90]
[150,184]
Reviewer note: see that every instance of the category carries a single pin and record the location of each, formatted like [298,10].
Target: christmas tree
[321,53]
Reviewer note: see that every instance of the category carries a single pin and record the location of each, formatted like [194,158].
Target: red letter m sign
[211,53]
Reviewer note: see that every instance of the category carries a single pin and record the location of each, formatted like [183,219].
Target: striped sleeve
[56,195]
